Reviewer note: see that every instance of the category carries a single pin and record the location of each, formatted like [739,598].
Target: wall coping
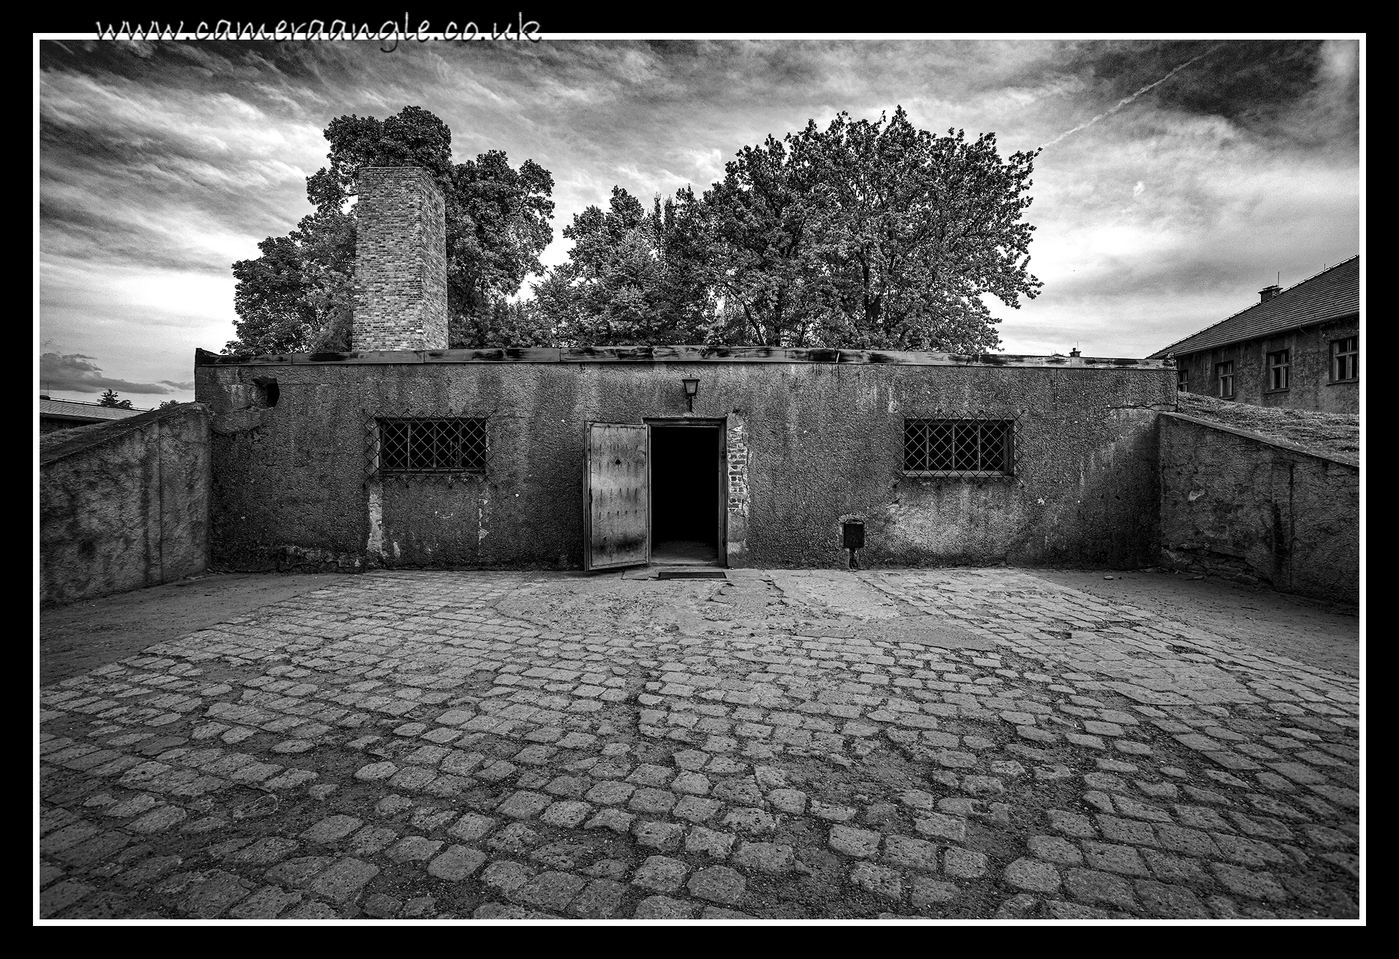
[683,354]
[60,445]
[1288,445]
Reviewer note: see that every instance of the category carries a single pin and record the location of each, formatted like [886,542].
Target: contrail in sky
[1128,99]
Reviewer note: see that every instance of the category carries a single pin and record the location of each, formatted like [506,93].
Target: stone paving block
[59,897]
[524,804]
[1169,902]
[599,899]
[1055,850]
[749,821]
[854,842]
[882,881]
[217,892]
[664,907]
[1032,875]
[695,808]
[660,874]
[1093,886]
[1114,857]
[343,880]
[550,890]
[655,834]
[1248,883]
[904,852]
[718,884]
[614,820]
[927,895]
[963,863]
[709,842]
[332,829]
[266,902]
[776,859]
[456,863]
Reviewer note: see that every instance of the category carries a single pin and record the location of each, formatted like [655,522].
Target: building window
[964,447]
[1345,359]
[1224,372]
[438,445]
[1181,380]
[1278,363]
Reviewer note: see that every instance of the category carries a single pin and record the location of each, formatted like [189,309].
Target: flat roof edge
[681,354]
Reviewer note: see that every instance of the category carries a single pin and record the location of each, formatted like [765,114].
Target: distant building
[66,414]
[1297,348]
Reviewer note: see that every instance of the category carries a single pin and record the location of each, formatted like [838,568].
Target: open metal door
[616,521]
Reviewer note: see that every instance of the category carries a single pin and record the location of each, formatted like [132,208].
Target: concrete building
[407,453]
[1297,348]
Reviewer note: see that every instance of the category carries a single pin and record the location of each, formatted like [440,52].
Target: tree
[168,403]
[109,399]
[872,235]
[632,276]
[298,295]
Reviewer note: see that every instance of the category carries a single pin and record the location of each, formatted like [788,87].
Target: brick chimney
[400,261]
[1268,292]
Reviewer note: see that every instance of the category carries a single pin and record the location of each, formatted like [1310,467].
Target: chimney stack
[1268,292]
[400,261]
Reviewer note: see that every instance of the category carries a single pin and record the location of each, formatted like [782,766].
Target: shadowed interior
[684,494]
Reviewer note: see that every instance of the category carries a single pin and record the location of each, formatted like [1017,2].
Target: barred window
[440,445]
[1345,356]
[1224,373]
[964,447]
[1181,381]
[1278,363]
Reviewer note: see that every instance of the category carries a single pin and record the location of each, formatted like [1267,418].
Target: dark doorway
[686,509]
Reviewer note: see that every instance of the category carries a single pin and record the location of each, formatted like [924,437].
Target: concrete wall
[1236,504]
[809,443]
[124,504]
[1310,386]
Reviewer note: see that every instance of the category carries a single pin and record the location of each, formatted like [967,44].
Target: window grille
[1345,357]
[427,445]
[1278,363]
[1224,372]
[959,447]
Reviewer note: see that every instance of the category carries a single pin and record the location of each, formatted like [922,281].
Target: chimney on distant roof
[1268,292]
[400,261]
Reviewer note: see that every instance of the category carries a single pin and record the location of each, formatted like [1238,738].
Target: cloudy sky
[1178,176]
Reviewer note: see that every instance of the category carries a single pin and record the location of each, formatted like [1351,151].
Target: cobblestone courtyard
[946,744]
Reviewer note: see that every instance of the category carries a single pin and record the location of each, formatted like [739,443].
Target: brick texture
[400,261]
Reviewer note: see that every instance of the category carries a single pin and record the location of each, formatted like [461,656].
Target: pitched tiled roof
[1330,295]
[73,410]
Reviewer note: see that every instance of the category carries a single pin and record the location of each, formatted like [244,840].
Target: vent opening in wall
[267,392]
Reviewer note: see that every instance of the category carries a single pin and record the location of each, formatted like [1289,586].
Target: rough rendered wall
[400,261]
[124,504]
[1235,504]
[807,444]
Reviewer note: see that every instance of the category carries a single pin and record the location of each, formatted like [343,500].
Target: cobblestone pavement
[950,744]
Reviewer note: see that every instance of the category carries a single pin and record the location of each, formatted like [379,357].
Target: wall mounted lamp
[691,391]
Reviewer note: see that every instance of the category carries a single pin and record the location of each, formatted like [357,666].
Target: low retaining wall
[1234,503]
[124,505]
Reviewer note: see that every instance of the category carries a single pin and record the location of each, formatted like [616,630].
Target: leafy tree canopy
[109,399]
[633,277]
[874,235]
[871,235]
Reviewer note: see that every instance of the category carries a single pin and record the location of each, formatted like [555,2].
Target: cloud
[75,372]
